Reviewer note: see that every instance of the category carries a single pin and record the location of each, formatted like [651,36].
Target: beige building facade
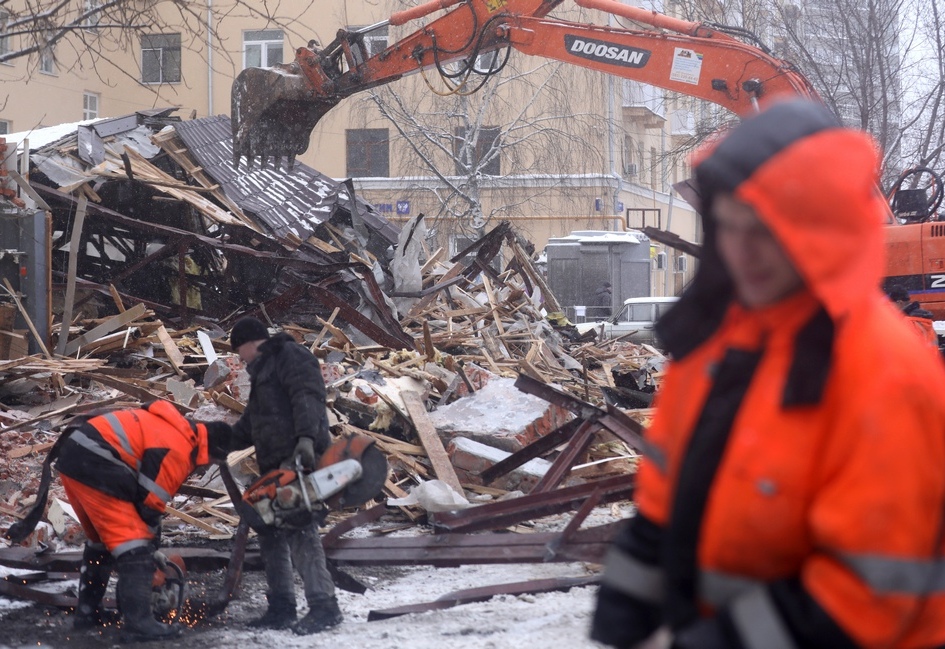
[550,147]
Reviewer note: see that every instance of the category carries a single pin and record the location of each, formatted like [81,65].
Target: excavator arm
[275,109]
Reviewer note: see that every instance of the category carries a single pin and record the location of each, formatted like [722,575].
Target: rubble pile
[493,413]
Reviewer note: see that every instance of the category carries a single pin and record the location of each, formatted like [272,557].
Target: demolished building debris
[420,377]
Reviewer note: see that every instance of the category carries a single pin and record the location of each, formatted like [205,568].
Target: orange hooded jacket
[797,494]
[139,456]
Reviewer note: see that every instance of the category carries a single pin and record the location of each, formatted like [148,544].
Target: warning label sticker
[687,66]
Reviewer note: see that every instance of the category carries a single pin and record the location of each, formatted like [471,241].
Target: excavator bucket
[273,113]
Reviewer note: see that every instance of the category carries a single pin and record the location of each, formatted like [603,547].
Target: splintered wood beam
[485,593]
[428,299]
[431,441]
[110,325]
[29,323]
[74,245]
[173,354]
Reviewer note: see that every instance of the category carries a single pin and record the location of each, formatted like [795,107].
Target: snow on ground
[549,621]
[557,620]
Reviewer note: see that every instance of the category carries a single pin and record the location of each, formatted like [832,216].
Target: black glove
[305,452]
[621,620]
[218,439]
[708,633]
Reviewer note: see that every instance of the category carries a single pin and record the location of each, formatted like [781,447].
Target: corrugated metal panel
[288,203]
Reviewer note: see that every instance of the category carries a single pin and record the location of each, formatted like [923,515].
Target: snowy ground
[558,620]
[550,621]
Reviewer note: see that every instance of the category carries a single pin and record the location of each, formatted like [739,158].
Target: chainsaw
[167,587]
[349,473]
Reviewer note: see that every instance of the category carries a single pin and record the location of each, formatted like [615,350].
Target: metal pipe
[640,15]
[401,17]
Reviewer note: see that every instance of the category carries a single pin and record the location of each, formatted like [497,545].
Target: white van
[634,321]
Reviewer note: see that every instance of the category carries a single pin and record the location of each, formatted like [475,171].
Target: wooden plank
[55,413]
[74,245]
[429,350]
[426,300]
[110,325]
[141,394]
[23,451]
[432,261]
[173,354]
[116,297]
[321,334]
[187,518]
[551,303]
[29,323]
[490,294]
[227,401]
[431,441]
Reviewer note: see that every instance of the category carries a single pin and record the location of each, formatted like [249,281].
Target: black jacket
[287,401]
[915,310]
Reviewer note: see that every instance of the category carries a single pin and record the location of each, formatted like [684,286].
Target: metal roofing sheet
[286,202]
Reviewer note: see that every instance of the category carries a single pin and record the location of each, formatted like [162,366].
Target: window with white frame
[90,105]
[92,21]
[262,48]
[47,60]
[375,41]
[5,45]
[160,58]
[4,127]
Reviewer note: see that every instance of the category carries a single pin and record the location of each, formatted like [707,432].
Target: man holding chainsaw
[286,420]
[119,469]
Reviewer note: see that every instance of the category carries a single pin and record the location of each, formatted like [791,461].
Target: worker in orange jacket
[119,470]
[795,495]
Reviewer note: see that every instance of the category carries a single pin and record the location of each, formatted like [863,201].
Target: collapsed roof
[169,216]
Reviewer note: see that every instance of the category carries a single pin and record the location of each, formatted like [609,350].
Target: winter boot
[93,581]
[322,614]
[135,576]
[280,614]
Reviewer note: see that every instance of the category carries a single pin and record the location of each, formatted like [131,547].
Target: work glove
[621,620]
[160,559]
[708,633]
[305,453]
[218,439]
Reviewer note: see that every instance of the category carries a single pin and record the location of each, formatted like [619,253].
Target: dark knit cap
[899,295]
[246,330]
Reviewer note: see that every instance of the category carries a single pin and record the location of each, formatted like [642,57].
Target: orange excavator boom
[275,109]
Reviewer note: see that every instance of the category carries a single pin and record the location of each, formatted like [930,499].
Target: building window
[92,21]
[5,45]
[89,105]
[368,152]
[160,58]
[4,127]
[631,167]
[375,42]
[262,48]
[469,161]
[47,60]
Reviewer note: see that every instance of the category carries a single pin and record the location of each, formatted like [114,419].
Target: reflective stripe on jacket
[141,456]
[803,492]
